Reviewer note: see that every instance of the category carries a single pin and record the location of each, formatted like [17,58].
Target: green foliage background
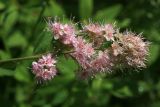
[23,33]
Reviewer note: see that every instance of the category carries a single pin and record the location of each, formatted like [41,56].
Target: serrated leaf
[85,8]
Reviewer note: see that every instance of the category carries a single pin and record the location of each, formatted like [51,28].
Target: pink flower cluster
[102,62]
[87,46]
[84,52]
[44,68]
[131,48]
[105,31]
[64,32]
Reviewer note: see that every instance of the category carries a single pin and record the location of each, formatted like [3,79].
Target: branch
[29,57]
[20,59]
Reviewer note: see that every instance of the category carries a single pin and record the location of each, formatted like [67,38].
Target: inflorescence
[97,48]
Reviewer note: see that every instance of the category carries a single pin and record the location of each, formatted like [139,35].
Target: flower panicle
[127,49]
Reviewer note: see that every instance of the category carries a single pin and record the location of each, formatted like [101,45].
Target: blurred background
[22,33]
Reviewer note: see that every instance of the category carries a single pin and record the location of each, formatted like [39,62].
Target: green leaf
[2,19]
[22,73]
[54,9]
[158,85]
[4,55]
[123,92]
[2,6]
[60,97]
[20,94]
[67,66]
[10,18]
[47,90]
[85,8]
[153,53]
[97,83]
[17,39]
[124,23]
[43,43]
[26,16]
[6,72]
[154,35]
[144,86]
[108,14]
[108,85]
[155,104]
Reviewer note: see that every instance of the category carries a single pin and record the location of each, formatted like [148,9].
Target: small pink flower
[93,29]
[102,62]
[82,59]
[135,49]
[84,48]
[116,49]
[56,29]
[109,31]
[79,44]
[88,50]
[44,68]
[64,32]
[83,52]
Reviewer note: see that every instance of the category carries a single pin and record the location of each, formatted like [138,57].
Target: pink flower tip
[64,32]
[44,68]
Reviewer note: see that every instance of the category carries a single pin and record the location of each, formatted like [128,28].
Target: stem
[68,52]
[20,59]
[29,57]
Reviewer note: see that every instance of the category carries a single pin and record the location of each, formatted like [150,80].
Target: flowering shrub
[88,47]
